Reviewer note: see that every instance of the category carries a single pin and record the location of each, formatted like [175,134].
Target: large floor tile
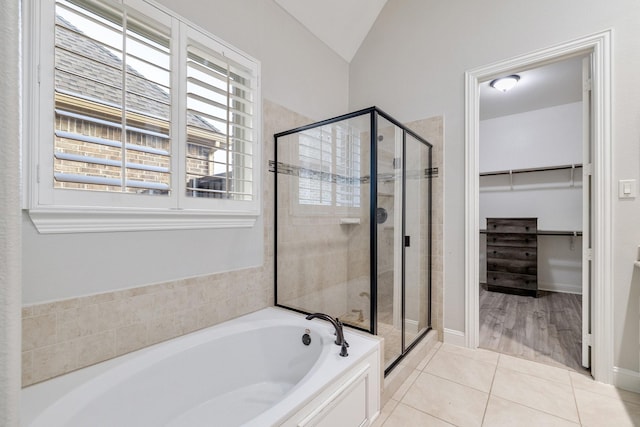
[405,416]
[504,413]
[428,357]
[463,370]
[402,390]
[584,382]
[534,368]
[447,400]
[553,397]
[596,410]
[477,354]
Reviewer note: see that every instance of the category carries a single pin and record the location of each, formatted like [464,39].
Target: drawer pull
[526,253]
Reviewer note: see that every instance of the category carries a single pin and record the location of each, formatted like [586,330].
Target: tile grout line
[414,380]
[538,409]
[575,400]
[495,371]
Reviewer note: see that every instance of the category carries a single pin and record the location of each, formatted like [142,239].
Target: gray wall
[412,65]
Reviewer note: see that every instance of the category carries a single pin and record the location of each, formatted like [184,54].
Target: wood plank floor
[546,329]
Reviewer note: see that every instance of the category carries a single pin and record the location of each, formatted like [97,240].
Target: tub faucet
[337,324]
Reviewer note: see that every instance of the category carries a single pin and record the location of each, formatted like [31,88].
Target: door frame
[599,45]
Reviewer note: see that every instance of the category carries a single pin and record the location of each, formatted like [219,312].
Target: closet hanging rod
[550,233]
[540,169]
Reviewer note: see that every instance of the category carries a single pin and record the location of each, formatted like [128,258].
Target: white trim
[560,287]
[626,379]
[600,46]
[454,337]
[55,210]
[89,220]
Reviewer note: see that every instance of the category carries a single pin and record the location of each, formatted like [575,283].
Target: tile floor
[455,386]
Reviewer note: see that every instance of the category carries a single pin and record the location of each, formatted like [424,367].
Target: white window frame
[55,210]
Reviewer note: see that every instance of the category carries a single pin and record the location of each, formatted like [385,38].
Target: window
[139,113]
[329,159]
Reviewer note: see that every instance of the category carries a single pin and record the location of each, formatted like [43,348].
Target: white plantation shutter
[134,108]
[112,101]
[220,126]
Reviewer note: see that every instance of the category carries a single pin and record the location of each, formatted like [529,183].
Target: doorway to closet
[534,204]
[597,333]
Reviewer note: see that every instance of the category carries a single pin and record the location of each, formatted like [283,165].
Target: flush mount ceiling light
[504,84]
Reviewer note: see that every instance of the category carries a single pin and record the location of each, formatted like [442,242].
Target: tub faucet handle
[337,325]
[344,340]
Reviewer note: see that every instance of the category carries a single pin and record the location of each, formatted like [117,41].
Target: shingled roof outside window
[116,78]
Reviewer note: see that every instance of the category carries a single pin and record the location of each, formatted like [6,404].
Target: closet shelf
[527,170]
[550,233]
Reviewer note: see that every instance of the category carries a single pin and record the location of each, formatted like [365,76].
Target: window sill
[91,220]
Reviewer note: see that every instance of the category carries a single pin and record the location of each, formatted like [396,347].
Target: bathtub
[250,371]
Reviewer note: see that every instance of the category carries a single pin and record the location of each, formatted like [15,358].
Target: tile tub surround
[455,386]
[63,336]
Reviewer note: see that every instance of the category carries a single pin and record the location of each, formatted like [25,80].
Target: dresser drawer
[512,239]
[512,225]
[511,280]
[505,252]
[512,266]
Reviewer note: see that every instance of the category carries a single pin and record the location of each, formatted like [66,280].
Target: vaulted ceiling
[344,24]
[341,24]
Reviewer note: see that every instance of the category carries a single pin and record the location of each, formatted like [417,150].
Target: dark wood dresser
[512,255]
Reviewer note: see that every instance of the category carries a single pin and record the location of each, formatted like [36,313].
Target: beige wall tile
[53,360]
[27,367]
[38,331]
[96,348]
[130,338]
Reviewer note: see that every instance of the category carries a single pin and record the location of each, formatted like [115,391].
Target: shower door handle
[407,241]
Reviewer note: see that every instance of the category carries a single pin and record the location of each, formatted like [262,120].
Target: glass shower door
[389,238]
[417,239]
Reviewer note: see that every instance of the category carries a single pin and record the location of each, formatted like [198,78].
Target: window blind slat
[113,182]
[107,162]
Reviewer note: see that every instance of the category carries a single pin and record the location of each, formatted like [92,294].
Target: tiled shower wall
[62,336]
[432,129]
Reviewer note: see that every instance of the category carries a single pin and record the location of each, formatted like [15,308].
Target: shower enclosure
[353,226]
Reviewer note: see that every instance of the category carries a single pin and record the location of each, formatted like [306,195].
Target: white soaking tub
[250,371]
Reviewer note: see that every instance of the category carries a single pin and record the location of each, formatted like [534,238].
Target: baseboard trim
[453,337]
[626,379]
[560,287]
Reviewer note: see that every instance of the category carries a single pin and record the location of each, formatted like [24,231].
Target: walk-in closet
[532,214]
